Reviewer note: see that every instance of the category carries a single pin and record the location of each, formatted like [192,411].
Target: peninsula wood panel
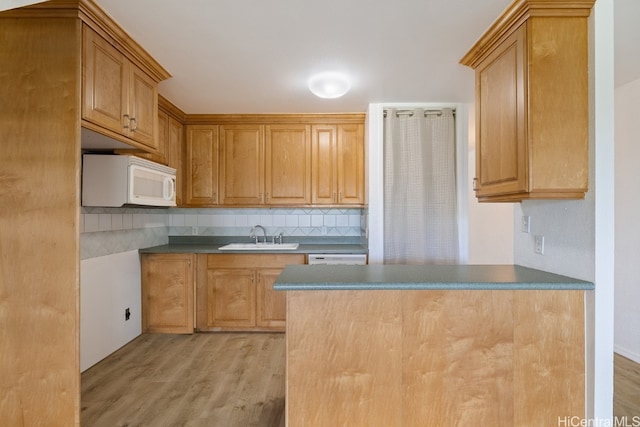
[549,345]
[344,359]
[458,358]
[436,358]
[39,221]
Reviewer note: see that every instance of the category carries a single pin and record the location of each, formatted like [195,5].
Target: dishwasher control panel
[335,259]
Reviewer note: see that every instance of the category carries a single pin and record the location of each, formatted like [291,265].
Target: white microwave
[111,180]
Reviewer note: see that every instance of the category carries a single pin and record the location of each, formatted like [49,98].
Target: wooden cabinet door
[201,165]
[167,293]
[230,299]
[142,108]
[271,305]
[117,95]
[350,164]
[242,164]
[105,83]
[323,164]
[288,165]
[337,164]
[501,110]
[173,151]
[163,137]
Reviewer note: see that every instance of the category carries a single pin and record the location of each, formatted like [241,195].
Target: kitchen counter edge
[423,277]
[213,249]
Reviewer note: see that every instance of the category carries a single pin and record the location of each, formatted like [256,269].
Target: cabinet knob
[475,184]
[134,124]
[126,121]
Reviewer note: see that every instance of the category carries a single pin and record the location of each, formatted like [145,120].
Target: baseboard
[627,353]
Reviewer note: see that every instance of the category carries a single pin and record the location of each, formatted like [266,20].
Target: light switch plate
[540,245]
[526,224]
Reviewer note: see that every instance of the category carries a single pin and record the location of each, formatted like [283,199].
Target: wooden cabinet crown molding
[165,105]
[268,119]
[516,14]
[96,18]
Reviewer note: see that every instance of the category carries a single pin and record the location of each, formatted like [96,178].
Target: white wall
[109,285]
[110,275]
[627,223]
[490,224]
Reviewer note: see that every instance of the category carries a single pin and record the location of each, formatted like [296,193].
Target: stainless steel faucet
[253,233]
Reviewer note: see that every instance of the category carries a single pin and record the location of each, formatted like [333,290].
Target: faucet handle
[252,234]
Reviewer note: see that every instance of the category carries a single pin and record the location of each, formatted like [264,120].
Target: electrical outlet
[526,224]
[540,245]
[324,230]
[127,314]
[194,231]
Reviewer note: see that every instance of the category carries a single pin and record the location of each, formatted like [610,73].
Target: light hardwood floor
[626,388]
[223,379]
[218,379]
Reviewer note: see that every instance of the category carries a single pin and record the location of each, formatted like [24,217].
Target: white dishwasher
[335,259]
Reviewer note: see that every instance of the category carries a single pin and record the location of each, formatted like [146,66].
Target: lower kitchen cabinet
[271,306]
[167,293]
[235,291]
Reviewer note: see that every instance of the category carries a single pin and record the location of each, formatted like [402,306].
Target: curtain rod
[411,112]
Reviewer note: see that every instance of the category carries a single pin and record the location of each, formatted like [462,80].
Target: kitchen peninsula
[403,345]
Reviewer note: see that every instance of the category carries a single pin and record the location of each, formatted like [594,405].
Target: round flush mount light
[329,84]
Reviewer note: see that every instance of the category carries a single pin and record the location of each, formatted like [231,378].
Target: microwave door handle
[169,188]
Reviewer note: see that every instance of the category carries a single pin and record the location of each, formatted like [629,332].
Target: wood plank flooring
[219,379]
[223,379]
[626,388]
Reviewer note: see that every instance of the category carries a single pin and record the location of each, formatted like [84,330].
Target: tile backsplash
[112,230]
[290,222]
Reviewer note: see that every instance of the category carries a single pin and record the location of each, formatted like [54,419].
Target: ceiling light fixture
[329,84]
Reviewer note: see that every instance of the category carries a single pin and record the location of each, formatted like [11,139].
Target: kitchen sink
[259,247]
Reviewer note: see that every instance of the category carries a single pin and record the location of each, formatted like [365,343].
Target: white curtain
[420,219]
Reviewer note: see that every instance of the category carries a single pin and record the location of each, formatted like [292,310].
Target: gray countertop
[422,277]
[210,245]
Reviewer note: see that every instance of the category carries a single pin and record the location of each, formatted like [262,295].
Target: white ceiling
[255,56]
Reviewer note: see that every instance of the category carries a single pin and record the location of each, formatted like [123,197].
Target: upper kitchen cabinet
[531,72]
[265,164]
[288,164]
[120,97]
[338,164]
[201,166]
[171,141]
[284,160]
[242,164]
